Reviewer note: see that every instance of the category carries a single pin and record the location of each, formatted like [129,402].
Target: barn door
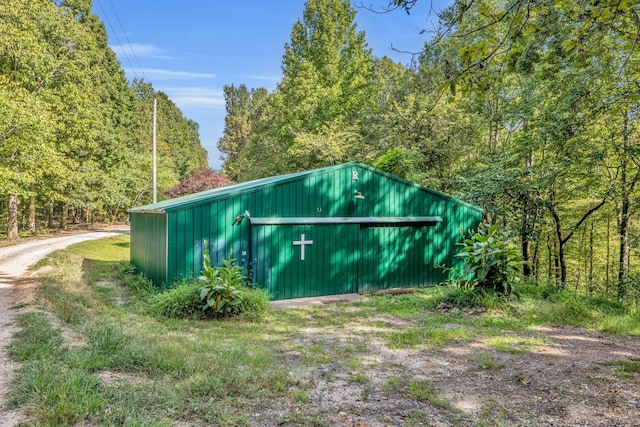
[305,260]
[394,256]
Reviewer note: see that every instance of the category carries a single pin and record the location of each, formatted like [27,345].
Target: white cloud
[138,50]
[200,97]
[154,74]
[266,78]
[271,79]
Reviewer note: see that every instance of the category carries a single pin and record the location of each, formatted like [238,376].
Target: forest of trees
[526,108]
[75,135]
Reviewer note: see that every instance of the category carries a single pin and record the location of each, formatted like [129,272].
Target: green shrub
[471,297]
[491,261]
[605,304]
[550,292]
[222,293]
[459,297]
[542,290]
[181,301]
[255,304]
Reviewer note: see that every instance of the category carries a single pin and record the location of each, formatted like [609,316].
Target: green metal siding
[329,266]
[395,256]
[345,257]
[149,245]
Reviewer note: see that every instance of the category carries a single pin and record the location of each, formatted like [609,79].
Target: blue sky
[191,49]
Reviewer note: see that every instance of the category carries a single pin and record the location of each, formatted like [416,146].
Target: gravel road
[14,263]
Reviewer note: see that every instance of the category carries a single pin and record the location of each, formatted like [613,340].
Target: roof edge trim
[150,211]
[347,220]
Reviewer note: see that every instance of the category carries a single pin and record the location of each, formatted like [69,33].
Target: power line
[128,41]
[106,17]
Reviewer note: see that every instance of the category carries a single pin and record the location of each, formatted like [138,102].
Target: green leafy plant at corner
[491,261]
[223,292]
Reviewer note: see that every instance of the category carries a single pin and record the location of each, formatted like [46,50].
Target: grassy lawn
[94,352]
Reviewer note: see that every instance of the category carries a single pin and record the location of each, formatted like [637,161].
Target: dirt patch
[563,376]
[119,297]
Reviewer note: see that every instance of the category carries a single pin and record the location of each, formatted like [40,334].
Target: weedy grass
[415,389]
[626,365]
[59,395]
[139,363]
[516,344]
[181,301]
[316,353]
[165,369]
[36,338]
[548,305]
[486,361]
[405,305]
[430,336]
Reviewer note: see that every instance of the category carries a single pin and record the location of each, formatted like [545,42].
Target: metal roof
[203,197]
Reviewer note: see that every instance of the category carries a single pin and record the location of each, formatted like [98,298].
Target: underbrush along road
[14,263]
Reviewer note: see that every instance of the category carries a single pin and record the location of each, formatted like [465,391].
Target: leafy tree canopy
[200,180]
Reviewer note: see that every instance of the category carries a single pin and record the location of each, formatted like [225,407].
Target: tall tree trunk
[64,216]
[526,256]
[624,215]
[12,218]
[74,214]
[50,219]
[528,224]
[556,263]
[562,264]
[550,257]
[562,241]
[536,261]
[623,260]
[527,231]
[580,255]
[606,267]
[32,209]
[590,278]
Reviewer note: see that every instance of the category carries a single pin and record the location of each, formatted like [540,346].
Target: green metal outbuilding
[336,230]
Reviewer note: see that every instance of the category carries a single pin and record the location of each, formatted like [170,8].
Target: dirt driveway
[16,287]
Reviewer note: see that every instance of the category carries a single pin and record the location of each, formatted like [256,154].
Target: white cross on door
[302,243]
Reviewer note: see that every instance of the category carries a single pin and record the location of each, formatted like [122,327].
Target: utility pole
[155,186]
